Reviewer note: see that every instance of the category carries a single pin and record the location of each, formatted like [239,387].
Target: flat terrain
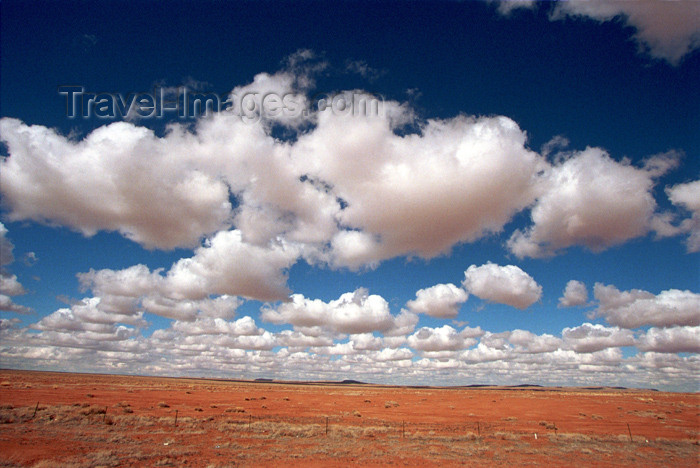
[75,420]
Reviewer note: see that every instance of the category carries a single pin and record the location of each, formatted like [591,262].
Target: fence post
[326,425]
[630,431]
[250,420]
[104,415]
[35,408]
[403,429]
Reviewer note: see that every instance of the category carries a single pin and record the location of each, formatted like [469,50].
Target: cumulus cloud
[588,338]
[592,200]
[575,294]
[224,267]
[667,30]
[444,338]
[353,313]
[9,284]
[119,178]
[528,342]
[670,340]
[228,265]
[502,284]
[244,326]
[688,196]
[419,194]
[441,300]
[351,190]
[637,308]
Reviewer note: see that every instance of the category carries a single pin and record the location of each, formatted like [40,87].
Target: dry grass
[231,438]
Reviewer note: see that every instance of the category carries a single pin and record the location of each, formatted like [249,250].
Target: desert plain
[52,419]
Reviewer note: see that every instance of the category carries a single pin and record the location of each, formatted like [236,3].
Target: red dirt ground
[75,420]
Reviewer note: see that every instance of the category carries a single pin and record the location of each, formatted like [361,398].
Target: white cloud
[354,312]
[441,300]
[226,264]
[9,285]
[670,340]
[637,308]
[575,294]
[7,304]
[6,248]
[119,178]
[445,338]
[244,326]
[688,196]
[588,338]
[502,284]
[592,200]
[668,30]
[418,194]
[528,342]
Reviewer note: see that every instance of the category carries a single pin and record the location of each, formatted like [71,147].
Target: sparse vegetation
[326,429]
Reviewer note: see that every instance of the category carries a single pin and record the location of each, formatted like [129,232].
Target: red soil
[91,420]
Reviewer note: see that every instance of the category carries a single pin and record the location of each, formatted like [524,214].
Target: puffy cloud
[9,285]
[354,312]
[575,294]
[637,308]
[225,266]
[444,338]
[592,200]
[228,265]
[6,248]
[670,340]
[502,284]
[668,30]
[588,338]
[418,194]
[298,340]
[688,196]
[528,342]
[7,304]
[218,326]
[119,178]
[441,300]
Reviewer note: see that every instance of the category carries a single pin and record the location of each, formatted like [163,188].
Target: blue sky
[521,206]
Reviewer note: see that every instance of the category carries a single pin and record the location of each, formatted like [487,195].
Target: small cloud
[29,259]
[575,294]
[502,284]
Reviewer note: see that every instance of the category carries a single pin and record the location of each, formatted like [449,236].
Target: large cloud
[591,200]
[350,189]
[455,181]
[120,177]
[588,338]
[670,340]
[637,308]
[441,300]
[502,284]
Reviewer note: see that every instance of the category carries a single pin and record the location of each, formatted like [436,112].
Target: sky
[406,192]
